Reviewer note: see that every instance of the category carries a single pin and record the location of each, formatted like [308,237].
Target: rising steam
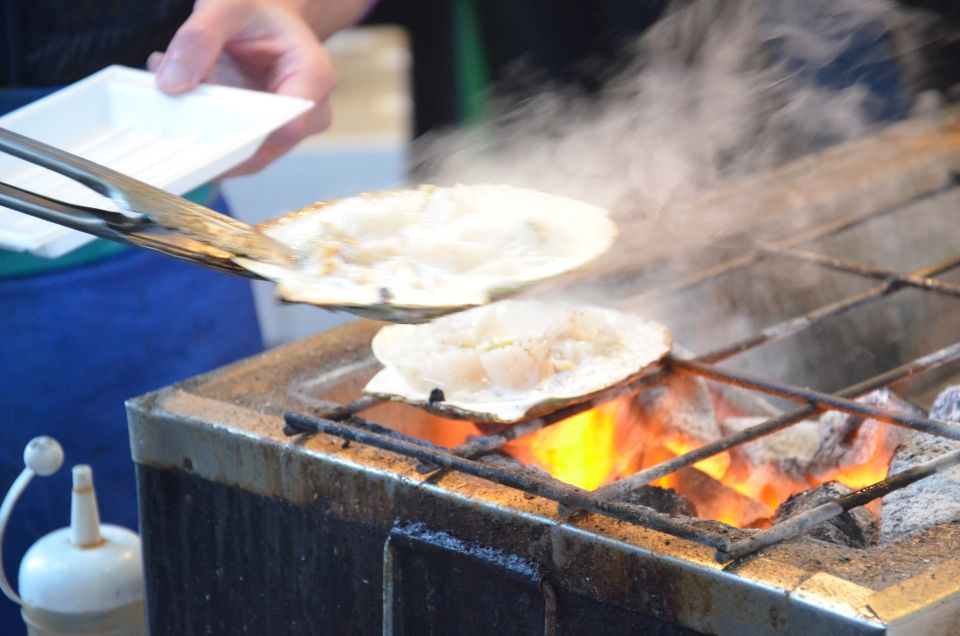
[717,89]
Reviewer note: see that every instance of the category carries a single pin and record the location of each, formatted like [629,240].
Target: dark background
[573,42]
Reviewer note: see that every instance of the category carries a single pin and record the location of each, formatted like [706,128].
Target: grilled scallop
[513,359]
[409,255]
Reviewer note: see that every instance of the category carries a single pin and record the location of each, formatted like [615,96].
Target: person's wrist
[325,17]
[299,7]
[329,16]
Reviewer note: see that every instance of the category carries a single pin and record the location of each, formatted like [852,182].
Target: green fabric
[472,68]
[20,264]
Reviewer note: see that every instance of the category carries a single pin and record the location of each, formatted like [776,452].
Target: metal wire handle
[194,223]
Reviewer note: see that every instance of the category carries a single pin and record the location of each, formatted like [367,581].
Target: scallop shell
[411,255]
[513,359]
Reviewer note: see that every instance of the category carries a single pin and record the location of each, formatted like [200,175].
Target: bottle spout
[87,576]
[84,513]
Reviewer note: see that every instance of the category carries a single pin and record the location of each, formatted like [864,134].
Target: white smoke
[717,90]
[707,99]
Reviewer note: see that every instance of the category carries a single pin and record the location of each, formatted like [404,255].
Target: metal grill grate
[344,421]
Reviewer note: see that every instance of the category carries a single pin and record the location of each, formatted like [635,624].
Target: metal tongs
[292,250]
[164,222]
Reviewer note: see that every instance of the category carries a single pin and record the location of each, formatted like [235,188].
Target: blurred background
[416,69]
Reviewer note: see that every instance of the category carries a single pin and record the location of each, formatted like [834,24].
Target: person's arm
[270,45]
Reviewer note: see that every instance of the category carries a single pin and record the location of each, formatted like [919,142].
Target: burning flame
[880,449]
[611,442]
[579,450]
[715,466]
[857,477]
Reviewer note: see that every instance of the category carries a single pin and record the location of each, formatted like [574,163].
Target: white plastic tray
[118,118]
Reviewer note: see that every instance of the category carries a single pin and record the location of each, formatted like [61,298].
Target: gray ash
[847,439]
[934,499]
[855,528]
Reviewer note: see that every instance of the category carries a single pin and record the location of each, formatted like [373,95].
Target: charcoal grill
[274,499]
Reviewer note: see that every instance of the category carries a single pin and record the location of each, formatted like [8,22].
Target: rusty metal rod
[795,526]
[824,401]
[341,412]
[653,473]
[575,498]
[834,227]
[843,265]
[793,326]
[485,444]
[290,428]
[894,283]
[352,408]
[488,443]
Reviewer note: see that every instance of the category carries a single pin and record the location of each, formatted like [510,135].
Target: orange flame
[609,443]
[715,466]
[579,450]
[875,468]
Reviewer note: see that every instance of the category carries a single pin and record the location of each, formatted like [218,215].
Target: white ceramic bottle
[84,580]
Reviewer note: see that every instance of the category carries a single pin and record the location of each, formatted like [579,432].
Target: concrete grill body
[249,530]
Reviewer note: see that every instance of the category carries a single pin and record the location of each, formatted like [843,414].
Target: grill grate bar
[824,401]
[547,487]
[604,500]
[893,283]
[798,324]
[352,408]
[653,473]
[917,279]
[795,526]
[812,234]
[489,443]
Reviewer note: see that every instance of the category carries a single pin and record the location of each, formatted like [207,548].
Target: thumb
[194,49]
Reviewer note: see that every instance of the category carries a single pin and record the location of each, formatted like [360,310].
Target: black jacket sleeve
[53,42]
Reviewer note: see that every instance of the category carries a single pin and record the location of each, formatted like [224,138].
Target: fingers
[304,70]
[153,62]
[307,73]
[270,48]
[197,44]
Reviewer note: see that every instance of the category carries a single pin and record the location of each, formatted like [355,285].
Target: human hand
[260,44]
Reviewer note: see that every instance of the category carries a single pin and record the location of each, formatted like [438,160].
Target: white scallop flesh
[518,364]
[433,247]
[501,360]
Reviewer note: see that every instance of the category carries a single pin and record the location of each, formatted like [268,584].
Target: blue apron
[75,343]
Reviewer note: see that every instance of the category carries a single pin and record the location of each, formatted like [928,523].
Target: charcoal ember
[855,528]
[731,400]
[852,440]
[790,450]
[715,500]
[665,500]
[934,499]
[682,405]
